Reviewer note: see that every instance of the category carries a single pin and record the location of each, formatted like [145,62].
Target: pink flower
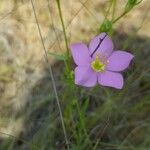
[99,63]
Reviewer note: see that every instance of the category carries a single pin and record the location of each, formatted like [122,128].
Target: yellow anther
[97,65]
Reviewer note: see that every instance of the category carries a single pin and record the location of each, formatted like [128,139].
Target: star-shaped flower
[99,63]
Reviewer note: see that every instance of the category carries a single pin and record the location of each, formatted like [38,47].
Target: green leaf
[57,56]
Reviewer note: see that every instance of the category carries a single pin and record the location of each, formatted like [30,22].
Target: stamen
[97,65]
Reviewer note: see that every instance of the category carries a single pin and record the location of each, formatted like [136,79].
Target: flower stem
[63,26]
[114,8]
[118,18]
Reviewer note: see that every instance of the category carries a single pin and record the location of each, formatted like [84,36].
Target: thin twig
[51,75]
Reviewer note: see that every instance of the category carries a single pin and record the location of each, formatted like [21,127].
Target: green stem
[123,14]
[82,122]
[57,37]
[107,12]
[114,8]
[127,10]
[63,26]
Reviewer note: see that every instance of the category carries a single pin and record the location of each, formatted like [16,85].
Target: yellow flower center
[97,65]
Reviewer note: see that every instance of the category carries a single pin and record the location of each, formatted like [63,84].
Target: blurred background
[29,117]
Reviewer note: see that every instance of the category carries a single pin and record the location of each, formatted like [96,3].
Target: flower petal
[85,76]
[81,54]
[111,79]
[119,60]
[106,46]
